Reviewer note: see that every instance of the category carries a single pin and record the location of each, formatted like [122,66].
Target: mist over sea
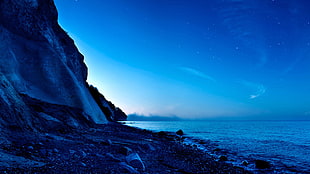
[285,144]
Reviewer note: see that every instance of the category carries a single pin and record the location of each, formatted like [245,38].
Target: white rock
[135,161]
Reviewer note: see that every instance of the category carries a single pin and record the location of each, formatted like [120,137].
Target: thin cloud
[196,73]
[258,89]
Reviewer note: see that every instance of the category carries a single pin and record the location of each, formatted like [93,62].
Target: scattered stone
[72,151]
[80,154]
[135,161]
[223,158]
[43,152]
[125,150]
[245,163]
[148,147]
[180,132]
[100,156]
[92,130]
[127,168]
[216,150]
[162,133]
[30,148]
[152,148]
[261,164]
[106,142]
[201,142]
[83,164]
[55,150]
[111,157]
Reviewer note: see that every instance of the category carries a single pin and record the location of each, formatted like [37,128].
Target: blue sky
[196,59]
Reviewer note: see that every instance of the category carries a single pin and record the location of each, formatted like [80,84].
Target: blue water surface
[286,144]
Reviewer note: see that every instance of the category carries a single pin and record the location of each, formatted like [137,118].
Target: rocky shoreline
[108,148]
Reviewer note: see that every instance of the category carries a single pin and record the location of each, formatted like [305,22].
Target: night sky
[246,59]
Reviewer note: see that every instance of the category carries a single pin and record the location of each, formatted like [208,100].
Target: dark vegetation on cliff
[108,108]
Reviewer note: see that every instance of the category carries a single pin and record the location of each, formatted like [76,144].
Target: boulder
[202,142]
[125,150]
[180,132]
[106,142]
[223,158]
[135,161]
[216,149]
[245,163]
[162,133]
[261,164]
[127,169]
[30,148]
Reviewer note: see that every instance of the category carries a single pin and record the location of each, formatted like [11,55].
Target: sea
[285,144]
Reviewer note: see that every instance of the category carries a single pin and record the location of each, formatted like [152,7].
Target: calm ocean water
[286,144]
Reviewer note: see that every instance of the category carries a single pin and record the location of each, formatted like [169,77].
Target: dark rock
[202,142]
[162,133]
[30,148]
[125,168]
[135,161]
[261,164]
[245,163]
[148,146]
[106,142]
[72,151]
[180,132]
[216,149]
[100,156]
[125,150]
[43,152]
[55,150]
[83,164]
[111,157]
[223,158]
[79,154]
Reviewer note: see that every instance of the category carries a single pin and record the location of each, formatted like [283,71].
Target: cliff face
[39,63]
[108,108]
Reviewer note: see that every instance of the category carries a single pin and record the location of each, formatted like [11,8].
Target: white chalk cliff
[40,65]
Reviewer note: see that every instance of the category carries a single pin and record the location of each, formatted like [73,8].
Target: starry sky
[245,59]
